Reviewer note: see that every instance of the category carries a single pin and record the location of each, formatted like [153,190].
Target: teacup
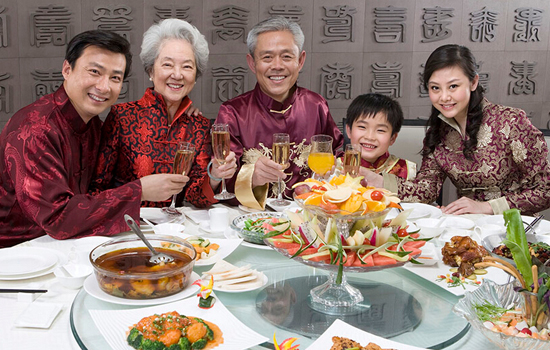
[488,229]
[219,219]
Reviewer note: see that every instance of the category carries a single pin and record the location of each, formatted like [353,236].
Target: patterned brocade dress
[509,167]
[137,141]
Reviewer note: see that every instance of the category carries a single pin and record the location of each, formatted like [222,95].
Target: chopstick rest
[38,315]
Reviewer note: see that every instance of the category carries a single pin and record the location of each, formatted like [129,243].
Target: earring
[150,79]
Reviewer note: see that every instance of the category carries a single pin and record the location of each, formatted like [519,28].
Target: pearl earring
[150,79]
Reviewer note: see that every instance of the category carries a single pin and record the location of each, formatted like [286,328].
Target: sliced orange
[352,205]
[314,199]
[304,195]
[338,180]
[375,206]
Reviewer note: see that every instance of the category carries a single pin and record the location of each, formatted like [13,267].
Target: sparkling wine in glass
[281,154]
[221,149]
[182,165]
[320,158]
[352,159]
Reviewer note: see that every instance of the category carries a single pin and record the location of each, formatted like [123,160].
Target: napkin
[197,216]
[38,315]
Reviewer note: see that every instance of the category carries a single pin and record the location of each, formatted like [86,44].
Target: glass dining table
[397,303]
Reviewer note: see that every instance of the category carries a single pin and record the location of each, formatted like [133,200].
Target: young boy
[373,121]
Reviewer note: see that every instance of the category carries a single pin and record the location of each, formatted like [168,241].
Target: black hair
[448,56]
[371,104]
[103,39]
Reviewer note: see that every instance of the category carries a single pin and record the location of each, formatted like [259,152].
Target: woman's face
[450,91]
[174,71]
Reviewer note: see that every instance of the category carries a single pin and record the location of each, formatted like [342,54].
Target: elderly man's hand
[266,170]
[160,187]
[466,205]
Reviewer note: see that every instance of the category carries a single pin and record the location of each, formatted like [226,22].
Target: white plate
[19,261]
[543,228]
[421,210]
[241,290]
[232,234]
[114,324]
[280,208]
[248,209]
[340,328]
[227,246]
[62,259]
[92,287]
[431,273]
[157,216]
[457,222]
[205,227]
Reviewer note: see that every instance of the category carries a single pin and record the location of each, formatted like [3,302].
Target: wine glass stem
[223,186]
[280,194]
[173,204]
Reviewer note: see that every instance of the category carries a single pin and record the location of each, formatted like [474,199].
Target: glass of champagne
[281,153]
[352,159]
[221,148]
[320,158]
[182,165]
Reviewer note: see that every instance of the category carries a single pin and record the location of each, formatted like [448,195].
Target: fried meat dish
[463,252]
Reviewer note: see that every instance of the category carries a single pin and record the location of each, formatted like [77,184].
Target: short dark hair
[371,104]
[103,39]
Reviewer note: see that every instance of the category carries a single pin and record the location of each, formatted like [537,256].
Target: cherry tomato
[376,196]
[319,188]
[402,232]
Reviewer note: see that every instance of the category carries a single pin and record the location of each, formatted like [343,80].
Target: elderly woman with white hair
[140,138]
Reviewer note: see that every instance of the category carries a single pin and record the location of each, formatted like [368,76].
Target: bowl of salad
[496,310]
[254,227]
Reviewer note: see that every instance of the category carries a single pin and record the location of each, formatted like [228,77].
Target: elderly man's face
[276,63]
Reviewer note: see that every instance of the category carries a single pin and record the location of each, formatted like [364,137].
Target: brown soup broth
[157,280]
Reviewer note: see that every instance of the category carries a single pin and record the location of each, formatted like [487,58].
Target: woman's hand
[225,171]
[466,205]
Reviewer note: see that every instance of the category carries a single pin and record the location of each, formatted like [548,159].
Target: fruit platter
[341,227]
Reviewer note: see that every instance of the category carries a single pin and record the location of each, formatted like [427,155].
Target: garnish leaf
[516,241]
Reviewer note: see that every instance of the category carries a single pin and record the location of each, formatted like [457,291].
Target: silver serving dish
[503,296]
[492,241]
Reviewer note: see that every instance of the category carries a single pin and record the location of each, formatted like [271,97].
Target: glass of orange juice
[320,158]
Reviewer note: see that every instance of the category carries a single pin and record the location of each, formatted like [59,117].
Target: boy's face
[374,134]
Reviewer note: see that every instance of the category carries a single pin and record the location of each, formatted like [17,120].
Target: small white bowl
[428,227]
[170,229]
[77,273]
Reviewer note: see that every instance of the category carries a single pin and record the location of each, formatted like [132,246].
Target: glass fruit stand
[396,303]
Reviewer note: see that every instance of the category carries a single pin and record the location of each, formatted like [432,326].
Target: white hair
[275,24]
[173,28]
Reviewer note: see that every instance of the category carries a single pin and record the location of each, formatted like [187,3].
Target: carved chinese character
[115,18]
[228,82]
[3,28]
[336,81]
[338,23]
[171,11]
[435,22]
[483,25]
[50,25]
[387,79]
[524,73]
[484,78]
[5,105]
[47,82]
[528,21]
[293,13]
[389,24]
[232,20]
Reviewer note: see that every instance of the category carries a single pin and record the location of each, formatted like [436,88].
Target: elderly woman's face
[174,71]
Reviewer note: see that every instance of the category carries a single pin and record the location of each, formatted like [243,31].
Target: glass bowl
[251,236]
[122,269]
[503,296]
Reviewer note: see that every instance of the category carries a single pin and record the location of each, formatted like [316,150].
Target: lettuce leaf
[516,241]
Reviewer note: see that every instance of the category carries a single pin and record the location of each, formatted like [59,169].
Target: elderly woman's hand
[160,187]
[192,110]
[466,205]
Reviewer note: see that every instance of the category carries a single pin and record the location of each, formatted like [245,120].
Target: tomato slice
[376,196]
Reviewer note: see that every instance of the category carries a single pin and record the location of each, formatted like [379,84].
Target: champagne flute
[281,153]
[182,165]
[352,159]
[220,146]
[320,158]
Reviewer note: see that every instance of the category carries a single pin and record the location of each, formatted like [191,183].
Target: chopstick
[11,290]
[533,223]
